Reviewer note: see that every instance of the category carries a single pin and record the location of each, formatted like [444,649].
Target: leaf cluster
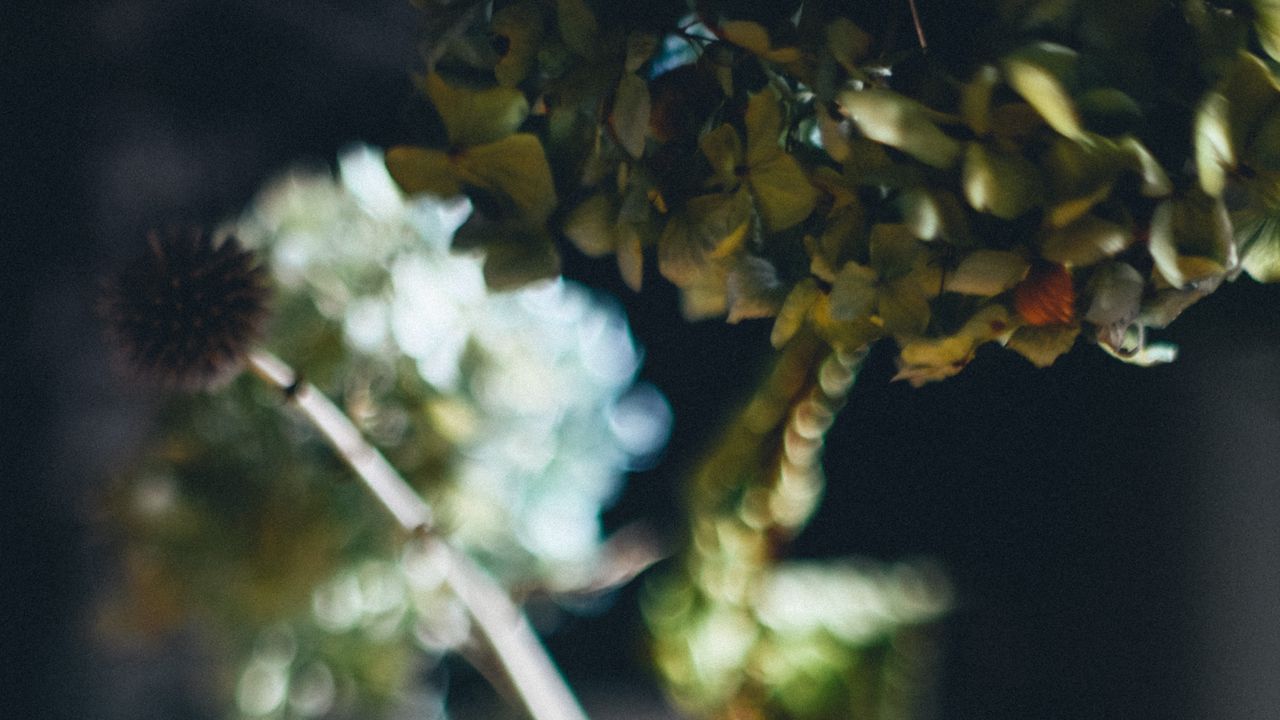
[814,164]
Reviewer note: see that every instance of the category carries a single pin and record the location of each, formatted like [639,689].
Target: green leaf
[704,296]
[590,226]
[578,27]
[975,99]
[1036,73]
[1260,249]
[752,36]
[419,170]
[1215,155]
[752,289]
[630,252]
[900,122]
[723,221]
[1166,305]
[711,226]
[1068,211]
[894,250]
[475,117]
[1267,23]
[640,47]
[923,360]
[832,137]
[990,322]
[853,294]
[783,193]
[848,43]
[1191,240]
[934,214]
[1155,182]
[928,360]
[723,149]
[1086,241]
[1003,184]
[1043,344]
[1229,118]
[764,127]
[1081,174]
[1110,109]
[1264,153]
[630,116]
[843,335]
[519,259]
[516,252]
[987,273]
[515,166]
[520,26]
[828,252]
[1252,92]
[794,311]
[904,308]
[682,256]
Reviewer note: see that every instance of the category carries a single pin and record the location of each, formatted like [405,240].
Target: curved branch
[502,625]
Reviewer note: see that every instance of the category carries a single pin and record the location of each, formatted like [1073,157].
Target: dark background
[1112,532]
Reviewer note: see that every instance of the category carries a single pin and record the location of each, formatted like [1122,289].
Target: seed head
[188,309]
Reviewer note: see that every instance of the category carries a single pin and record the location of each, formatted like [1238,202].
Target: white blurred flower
[541,379]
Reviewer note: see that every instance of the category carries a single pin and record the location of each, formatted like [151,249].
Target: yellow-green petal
[630,116]
[795,309]
[591,226]
[752,36]
[1035,74]
[903,308]
[421,170]
[578,26]
[520,24]
[853,294]
[515,166]
[1260,249]
[723,149]
[1003,184]
[900,122]
[1191,240]
[1043,344]
[475,117]
[783,193]
[987,273]
[764,127]
[1086,241]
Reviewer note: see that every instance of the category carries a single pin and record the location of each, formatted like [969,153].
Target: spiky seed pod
[187,311]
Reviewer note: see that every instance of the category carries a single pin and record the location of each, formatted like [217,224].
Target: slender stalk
[501,624]
[915,18]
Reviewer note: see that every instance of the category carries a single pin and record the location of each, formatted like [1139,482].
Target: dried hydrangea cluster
[534,391]
[779,160]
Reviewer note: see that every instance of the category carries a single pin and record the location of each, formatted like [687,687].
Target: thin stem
[915,18]
[500,622]
[384,482]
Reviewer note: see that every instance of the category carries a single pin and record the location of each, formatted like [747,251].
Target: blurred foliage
[514,414]
[740,632]
[1019,172]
